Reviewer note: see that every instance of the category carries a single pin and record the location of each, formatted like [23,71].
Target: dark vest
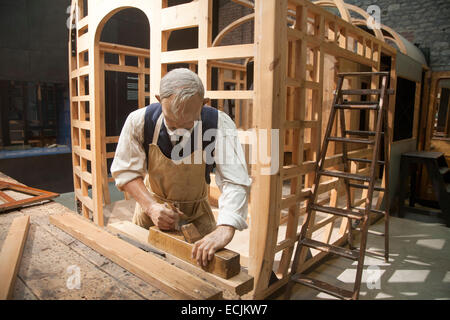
[209,118]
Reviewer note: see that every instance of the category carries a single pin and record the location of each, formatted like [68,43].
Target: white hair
[183,84]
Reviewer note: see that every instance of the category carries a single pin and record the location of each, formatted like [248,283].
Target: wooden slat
[239,284]
[122,49]
[225,263]
[225,52]
[86,200]
[11,255]
[161,274]
[237,94]
[180,17]
[5,197]
[126,69]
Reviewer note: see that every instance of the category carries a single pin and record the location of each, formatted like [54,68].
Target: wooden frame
[297,44]
[10,203]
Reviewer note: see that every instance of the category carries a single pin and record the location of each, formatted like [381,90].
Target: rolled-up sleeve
[231,175]
[129,160]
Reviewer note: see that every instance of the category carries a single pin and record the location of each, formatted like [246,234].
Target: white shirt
[231,169]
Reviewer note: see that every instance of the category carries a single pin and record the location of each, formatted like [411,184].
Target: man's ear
[158,97]
[206,101]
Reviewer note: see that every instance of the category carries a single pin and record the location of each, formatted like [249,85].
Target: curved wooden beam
[245,3]
[231,27]
[345,14]
[401,45]
[350,7]
[361,22]
[364,14]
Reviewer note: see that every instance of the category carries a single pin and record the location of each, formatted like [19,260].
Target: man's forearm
[140,193]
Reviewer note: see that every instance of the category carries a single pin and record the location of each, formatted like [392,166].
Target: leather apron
[180,184]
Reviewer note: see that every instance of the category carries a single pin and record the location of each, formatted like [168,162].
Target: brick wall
[425,23]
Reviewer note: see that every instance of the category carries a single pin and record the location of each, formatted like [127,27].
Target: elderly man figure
[170,191]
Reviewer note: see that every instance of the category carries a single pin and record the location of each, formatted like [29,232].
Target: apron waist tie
[179,202]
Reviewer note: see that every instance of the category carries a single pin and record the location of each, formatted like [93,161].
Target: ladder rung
[371,210]
[364,160]
[357,106]
[379,254]
[349,254]
[362,133]
[337,211]
[361,92]
[345,175]
[362,186]
[375,233]
[359,103]
[323,287]
[367,73]
[349,140]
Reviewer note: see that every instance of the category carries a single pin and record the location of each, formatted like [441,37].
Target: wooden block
[11,255]
[239,284]
[190,233]
[174,281]
[225,263]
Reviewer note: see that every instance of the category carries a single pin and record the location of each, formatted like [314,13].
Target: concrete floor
[419,266]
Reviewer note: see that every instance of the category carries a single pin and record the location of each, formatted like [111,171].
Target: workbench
[50,254]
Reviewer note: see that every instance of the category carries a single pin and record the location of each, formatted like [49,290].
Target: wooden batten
[11,254]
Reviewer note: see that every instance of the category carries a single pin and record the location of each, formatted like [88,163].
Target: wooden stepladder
[358,215]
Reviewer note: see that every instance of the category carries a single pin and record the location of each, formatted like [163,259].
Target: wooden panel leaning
[11,255]
[225,263]
[176,282]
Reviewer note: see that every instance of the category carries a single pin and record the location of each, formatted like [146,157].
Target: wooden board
[176,282]
[225,263]
[239,284]
[11,255]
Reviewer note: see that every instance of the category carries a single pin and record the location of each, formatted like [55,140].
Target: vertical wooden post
[155,48]
[95,113]
[270,94]
[204,38]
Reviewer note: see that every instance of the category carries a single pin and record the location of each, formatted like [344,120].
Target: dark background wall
[33,40]
[425,23]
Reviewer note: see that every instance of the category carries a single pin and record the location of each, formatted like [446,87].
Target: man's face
[190,113]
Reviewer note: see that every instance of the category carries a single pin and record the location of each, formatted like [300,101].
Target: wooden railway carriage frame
[294,39]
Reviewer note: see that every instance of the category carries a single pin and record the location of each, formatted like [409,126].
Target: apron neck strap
[157,129]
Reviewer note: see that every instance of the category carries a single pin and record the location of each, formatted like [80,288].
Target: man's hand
[205,248]
[163,216]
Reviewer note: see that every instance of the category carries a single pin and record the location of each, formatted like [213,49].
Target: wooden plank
[215,53]
[159,273]
[11,255]
[180,17]
[239,284]
[230,94]
[225,263]
[122,49]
